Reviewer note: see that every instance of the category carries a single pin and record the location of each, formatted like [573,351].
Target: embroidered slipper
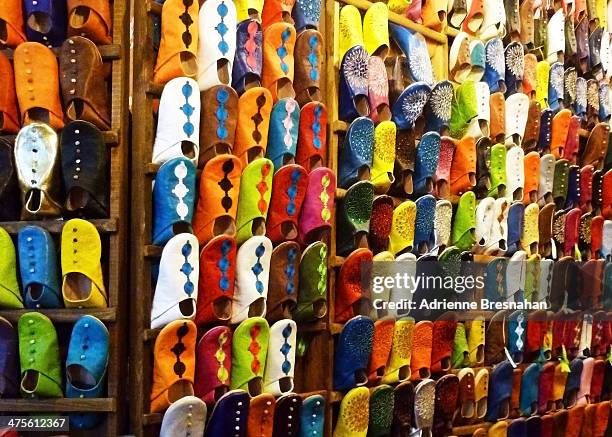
[180,100]
[283,282]
[353,353]
[446,403]
[177,55]
[307,14]
[403,411]
[464,223]
[426,163]
[216,208]
[217,270]
[249,353]
[254,200]
[9,114]
[383,158]
[516,112]
[378,90]
[350,30]
[515,67]
[308,50]
[424,406]
[467,394]
[495,65]
[443,171]
[312,296]
[354,413]
[312,418]
[414,46]
[280,362]
[277,12]
[318,205]
[382,342]
[38,268]
[254,108]
[376,30]
[10,366]
[463,169]
[381,410]
[173,199]
[604,102]
[218,120]
[408,108]
[289,188]
[278,60]
[252,276]
[10,296]
[174,364]
[420,361]
[356,153]
[38,90]
[424,238]
[459,58]
[401,238]
[484,224]
[229,413]
[380,223]
[40,367]
[397,367]
[248,61]
[437,110]
[481,392]
[184,416]
[353,101]
[45,22]
[353,294]
[11,20]
[354,220]
[531,171]
[283,133]
[82,281]
[499,228]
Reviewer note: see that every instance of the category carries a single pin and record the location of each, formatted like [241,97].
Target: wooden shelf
[155,89]
[152,419]
[56,226]
[60,405]
[154,8]
[110,52]
[63,315]
[151,251]
[470,429]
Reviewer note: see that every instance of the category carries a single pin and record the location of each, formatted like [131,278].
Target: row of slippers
[50,22]
[221,284]
[32,367]
[45,175]
[236,51]
[250,126]
[254,357]
[428,408]
[35,90]
[36,268]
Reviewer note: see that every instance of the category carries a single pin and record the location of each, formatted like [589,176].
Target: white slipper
[424,399]
[252,272]
[546,270]
[516,113]
[586,335]
[494,21]
[176,291]
[479,126]
[547,175]
[408,266]
[555,36]
[443,217]
[178,122]
[185,416]
[606,244]
[217,44]
[515,276]
[484,223]
[515,173]
[280,362]
[499,228]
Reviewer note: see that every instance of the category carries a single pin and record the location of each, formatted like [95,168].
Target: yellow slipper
[9,287]
[402,228]
[354,414]
[351,31]
[531,231]
[398,367]
[542,73]
[383,157]
[82,280]
[476,341]
[376,30]
[246,9]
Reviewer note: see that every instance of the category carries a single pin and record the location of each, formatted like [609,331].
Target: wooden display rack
[311,370]
[113,232]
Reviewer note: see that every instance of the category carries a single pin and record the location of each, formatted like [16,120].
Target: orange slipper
[420,362]
[254,108]
[91,19]
[351,297]
[178,48]
[312,138]
[381,347]
[531,165]
[278,62]
[276,11]
[37,85]
[9,114]
[11,23]
[463,168]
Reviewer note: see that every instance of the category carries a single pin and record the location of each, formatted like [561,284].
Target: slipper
[173,199]
[424,406]
[249,353]
[532,127]
[434,14]
[463,168]
[283,133]
[516,323]
[604,102]
[546,185]
[382,342]
[289,189]
[180,100]
[218,120]
[414,46]
[356,152]
[280,361]
[555,37]
[184,416]
[177,55]
[173,364]
[383,158]
[531,170]
[515,227]
[464,108]
[397,367]
[353,293]
[467,394]
[312,296]
[403,411]
[573,187]
[38,90]
[408,108]
[515,177]
[573,383]
[9,114]
[11,17]
[515,67]
[401,238]
[283,281]
[464,223]
[516,113]
[231,411]
[355,210]
[560,128]
[10,296]
[498,407]
[546,117]
[38,268]
[312,419]
[278,60]
[351,362]
[459,58]
[457,11]
[308,52]
[216,207]
[446,403]
[381,406]
[592,111]
[555,86]
[499,228]
[420,361]
[82,280]
[254,108]
[426,163]
[318,205]
[45,22]
[405,155]
[442,342]
[252,276]
[483,163]
[569,87]
[249,9]
[307,14]
[495,65]
[437,110]
[36,162]
[572,144]
[584,391]
[529,74]
[248,61]
[91,20]
[542,75]
[350,30]
[380,223]
[254,200]
[484,224]
[479,125]
[376,30]
[596,146]
[560,183]
[378,90]
[276,12]
[354,413]
[424,237]
[443,171]
[353,100]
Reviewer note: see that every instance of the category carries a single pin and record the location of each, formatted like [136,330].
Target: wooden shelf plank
[154,8]
[470,429]
[337,261]
[151,251]
[336,328]
[155,89]
[110,52]
[335,396]
[62,405]
[339,126]
[56,226]
[63,315]
[150,334]
[152,419]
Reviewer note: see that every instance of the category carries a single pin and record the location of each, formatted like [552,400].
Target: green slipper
[381,411]
[249,353]
[464,224]
[41,374]
[9,287]
[312,298]
[355,209]
[497,169]
[560,181]
[254,200]
[461,353]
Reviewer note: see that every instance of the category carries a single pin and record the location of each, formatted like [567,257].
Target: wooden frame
[113,232]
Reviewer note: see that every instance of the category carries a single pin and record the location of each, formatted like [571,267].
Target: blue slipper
[517,327]
[604,102]
[424,223]
[555,86]
[353,353]
[409,106]
[515,65]
[426,163]
[438,108]
[546,117]
[580,106]
[517,428]
[312,416]
[495,65]
[530,383]
[500,391]
[495,279]
[515,227]
[353,101]
[572,385]
[283,132]
[414,46]
[230,415]
[356,152]
[307,14]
